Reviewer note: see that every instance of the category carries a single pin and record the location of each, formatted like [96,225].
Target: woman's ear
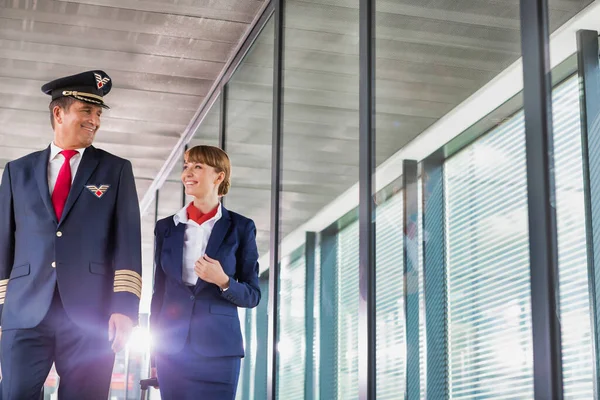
[220,178]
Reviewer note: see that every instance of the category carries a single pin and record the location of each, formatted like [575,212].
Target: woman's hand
[210,270]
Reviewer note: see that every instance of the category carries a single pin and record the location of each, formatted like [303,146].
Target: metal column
[543,249]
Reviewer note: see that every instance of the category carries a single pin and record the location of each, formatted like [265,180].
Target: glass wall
[488,260]
[489,311]
[292,338]
[320,162]
[446,83]
[577,344]
[391,284]
[248,132]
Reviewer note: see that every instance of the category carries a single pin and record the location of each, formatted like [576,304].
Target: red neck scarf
[196,215]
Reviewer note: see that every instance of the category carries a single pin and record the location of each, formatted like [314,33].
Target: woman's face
[200,180]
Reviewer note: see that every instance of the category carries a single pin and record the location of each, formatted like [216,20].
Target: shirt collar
[54,150]
[182,218]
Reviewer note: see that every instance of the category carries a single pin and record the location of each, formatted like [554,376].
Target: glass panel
[259,345]
[422,331]
[249,136]
[319,164]
[170,195]
[489,304]
[317,327]
[208,131]
[490,314]
[207,134]
[292,338]
[391,328]
[347,321]
[577,347]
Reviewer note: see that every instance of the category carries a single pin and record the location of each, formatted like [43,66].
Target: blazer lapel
[216,239]
[86,168]
[173,241]
[41,177]
[218,233]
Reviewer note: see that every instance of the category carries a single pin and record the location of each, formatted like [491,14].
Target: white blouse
[195,241]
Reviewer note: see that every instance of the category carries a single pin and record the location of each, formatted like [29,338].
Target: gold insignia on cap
[89,97]
[128,281]
[3,284]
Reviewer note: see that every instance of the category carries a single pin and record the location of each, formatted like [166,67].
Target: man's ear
[57,112]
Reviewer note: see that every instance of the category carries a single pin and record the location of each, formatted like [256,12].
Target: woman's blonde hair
[216,158]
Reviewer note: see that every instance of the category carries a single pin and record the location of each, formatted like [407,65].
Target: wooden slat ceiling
[163,57]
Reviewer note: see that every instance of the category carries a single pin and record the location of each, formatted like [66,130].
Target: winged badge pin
[98,191]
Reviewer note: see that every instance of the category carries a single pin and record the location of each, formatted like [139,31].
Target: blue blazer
[208,315]
[93,253]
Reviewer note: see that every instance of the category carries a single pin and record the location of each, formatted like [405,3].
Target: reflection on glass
[489,309]
[208,131]
[319,164]
[249,136]
[422,324]
[248,133]
[391,328]
[577,345]
[170,195]
[490,312]
[291,346]
[347,278]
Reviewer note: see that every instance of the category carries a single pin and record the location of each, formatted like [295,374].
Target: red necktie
[63,184]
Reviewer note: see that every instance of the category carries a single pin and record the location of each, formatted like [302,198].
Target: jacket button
[59,233]
[53,264]
[192,297]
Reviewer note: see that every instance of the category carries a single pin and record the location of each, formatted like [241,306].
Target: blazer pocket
[222,309]
[19,271]
[98,268]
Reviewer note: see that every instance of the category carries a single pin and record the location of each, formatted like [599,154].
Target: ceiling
[163,58]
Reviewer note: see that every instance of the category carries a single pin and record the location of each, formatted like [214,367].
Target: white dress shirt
[57,160]
[195,241]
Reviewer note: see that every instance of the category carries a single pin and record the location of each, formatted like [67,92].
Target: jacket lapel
[216,239]
[41,177]
[218,233]
[86,168]
[173,244]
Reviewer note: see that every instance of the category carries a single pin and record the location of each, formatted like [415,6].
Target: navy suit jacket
[208,315]
[93,253]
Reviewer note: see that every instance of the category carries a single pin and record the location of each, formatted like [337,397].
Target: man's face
[76,126]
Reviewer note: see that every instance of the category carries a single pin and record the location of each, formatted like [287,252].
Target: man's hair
[63,102]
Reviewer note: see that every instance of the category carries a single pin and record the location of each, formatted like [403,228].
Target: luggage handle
[146,383]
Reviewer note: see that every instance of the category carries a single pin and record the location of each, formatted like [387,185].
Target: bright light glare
[140,340]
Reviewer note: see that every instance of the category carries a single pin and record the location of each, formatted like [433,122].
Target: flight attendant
[206,267]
